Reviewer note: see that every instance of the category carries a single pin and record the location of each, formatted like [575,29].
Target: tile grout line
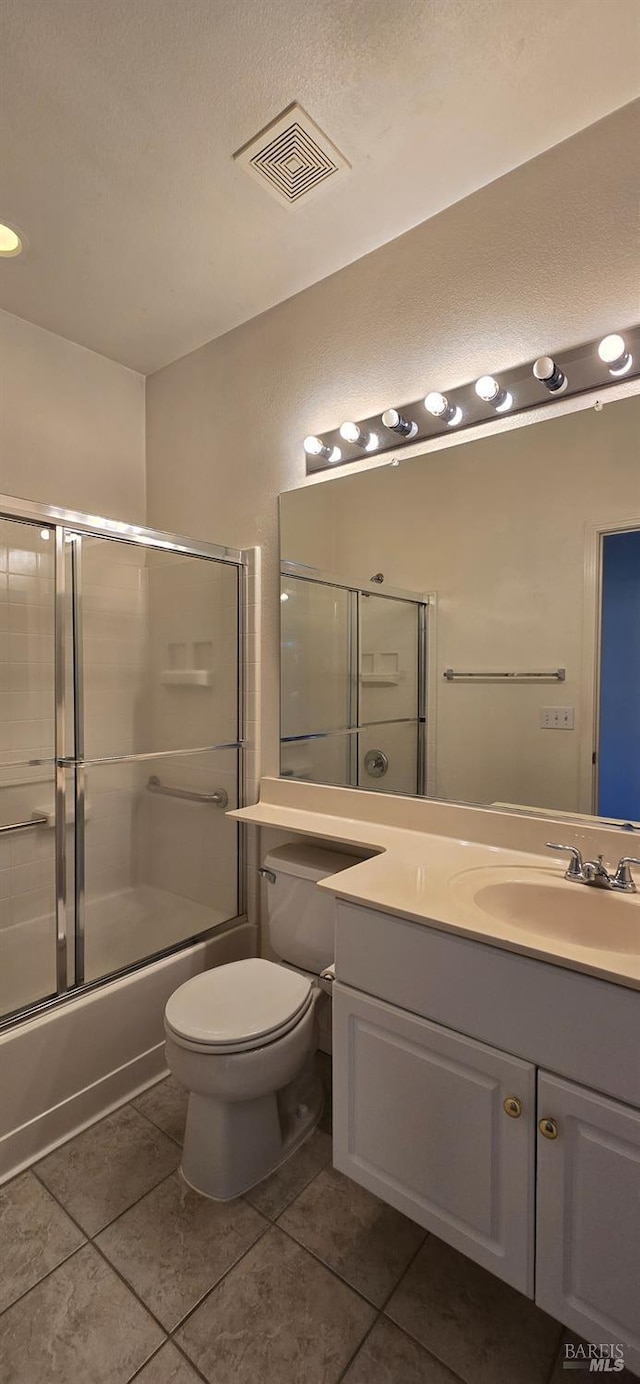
[153,1122]
[196,1369]
[192,1310]
[93,1236]
[44,1278]
[354,1356]
[382,1316]
[296,1194]
[146,1362]
[438,1358]
[335,1272]
[414,1339]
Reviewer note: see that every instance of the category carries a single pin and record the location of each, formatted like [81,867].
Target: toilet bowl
[242,1037]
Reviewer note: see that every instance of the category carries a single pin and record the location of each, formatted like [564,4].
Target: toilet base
[231,1146]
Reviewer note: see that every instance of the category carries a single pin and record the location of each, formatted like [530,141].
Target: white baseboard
[53,1127]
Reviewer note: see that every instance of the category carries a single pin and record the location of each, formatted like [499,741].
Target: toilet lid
[237,1003]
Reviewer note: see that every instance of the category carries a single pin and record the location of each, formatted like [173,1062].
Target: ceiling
[120,119]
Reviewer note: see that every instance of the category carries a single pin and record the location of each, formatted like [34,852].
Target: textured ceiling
[120,119]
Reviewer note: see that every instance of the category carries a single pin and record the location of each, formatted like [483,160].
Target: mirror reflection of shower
[354,670]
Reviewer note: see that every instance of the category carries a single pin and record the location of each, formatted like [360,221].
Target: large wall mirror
[466,624]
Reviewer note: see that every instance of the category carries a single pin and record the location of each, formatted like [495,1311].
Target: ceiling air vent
[292,157]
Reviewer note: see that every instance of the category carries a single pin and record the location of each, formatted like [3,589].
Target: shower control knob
[376,763]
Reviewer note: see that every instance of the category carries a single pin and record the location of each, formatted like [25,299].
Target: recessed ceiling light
[10,242]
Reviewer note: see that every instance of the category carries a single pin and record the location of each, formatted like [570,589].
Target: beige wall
[71,424]
[544,257]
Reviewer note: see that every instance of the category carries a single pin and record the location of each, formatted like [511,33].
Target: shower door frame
[65,523]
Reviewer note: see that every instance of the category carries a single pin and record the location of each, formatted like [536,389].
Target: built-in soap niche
[189,664]
[380,669]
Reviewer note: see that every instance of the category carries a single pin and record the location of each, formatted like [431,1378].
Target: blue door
[619,749]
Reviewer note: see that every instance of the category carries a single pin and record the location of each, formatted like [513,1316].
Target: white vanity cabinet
[454,1062]
[422,1121]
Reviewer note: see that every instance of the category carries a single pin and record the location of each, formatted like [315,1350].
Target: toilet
[242,1037]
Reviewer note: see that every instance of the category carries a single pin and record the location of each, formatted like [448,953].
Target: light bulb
[10,242]
[284,595]
[44,533]
[613,351]
[438,405]
[550,375]
[315,447]
[487,388]
[398,424]
[352,433]
[492,393]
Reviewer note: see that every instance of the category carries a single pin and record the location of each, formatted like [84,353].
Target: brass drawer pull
[513,1107]
[549,1128]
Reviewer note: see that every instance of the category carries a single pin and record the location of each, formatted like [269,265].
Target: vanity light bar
[592,365]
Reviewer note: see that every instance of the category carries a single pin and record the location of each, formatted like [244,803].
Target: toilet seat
[238,1007]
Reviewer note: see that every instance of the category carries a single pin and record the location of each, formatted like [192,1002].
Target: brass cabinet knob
[549,1128]
[513,1107]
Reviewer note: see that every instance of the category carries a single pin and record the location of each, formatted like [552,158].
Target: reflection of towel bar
[35,821]
[556,675]
[219,798]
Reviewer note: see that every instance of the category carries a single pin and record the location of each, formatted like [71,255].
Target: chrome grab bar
[555,675]
[219,798]
[35,821]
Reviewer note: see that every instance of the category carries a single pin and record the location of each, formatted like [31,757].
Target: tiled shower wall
[26,720]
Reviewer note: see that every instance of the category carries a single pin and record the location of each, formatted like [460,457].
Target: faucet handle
[623,878]
[576,864]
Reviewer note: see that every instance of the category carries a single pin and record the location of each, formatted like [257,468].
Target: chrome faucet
[594,872]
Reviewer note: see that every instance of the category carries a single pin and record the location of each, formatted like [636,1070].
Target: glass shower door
[28,930]
[157,682]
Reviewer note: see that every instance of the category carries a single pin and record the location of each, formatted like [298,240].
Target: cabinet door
[419,1119]
[588,1231]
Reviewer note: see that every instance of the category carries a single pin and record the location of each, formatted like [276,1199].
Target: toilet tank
[300,917]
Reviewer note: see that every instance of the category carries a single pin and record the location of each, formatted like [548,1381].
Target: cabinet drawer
[574,1024]
[419,1119]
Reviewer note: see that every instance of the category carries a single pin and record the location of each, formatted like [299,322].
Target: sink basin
[536,901]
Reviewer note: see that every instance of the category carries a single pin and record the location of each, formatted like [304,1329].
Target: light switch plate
[557,717]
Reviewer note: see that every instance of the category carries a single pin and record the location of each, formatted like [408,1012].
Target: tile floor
[112,1270]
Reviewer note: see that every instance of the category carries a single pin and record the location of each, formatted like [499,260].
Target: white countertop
[424,876]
